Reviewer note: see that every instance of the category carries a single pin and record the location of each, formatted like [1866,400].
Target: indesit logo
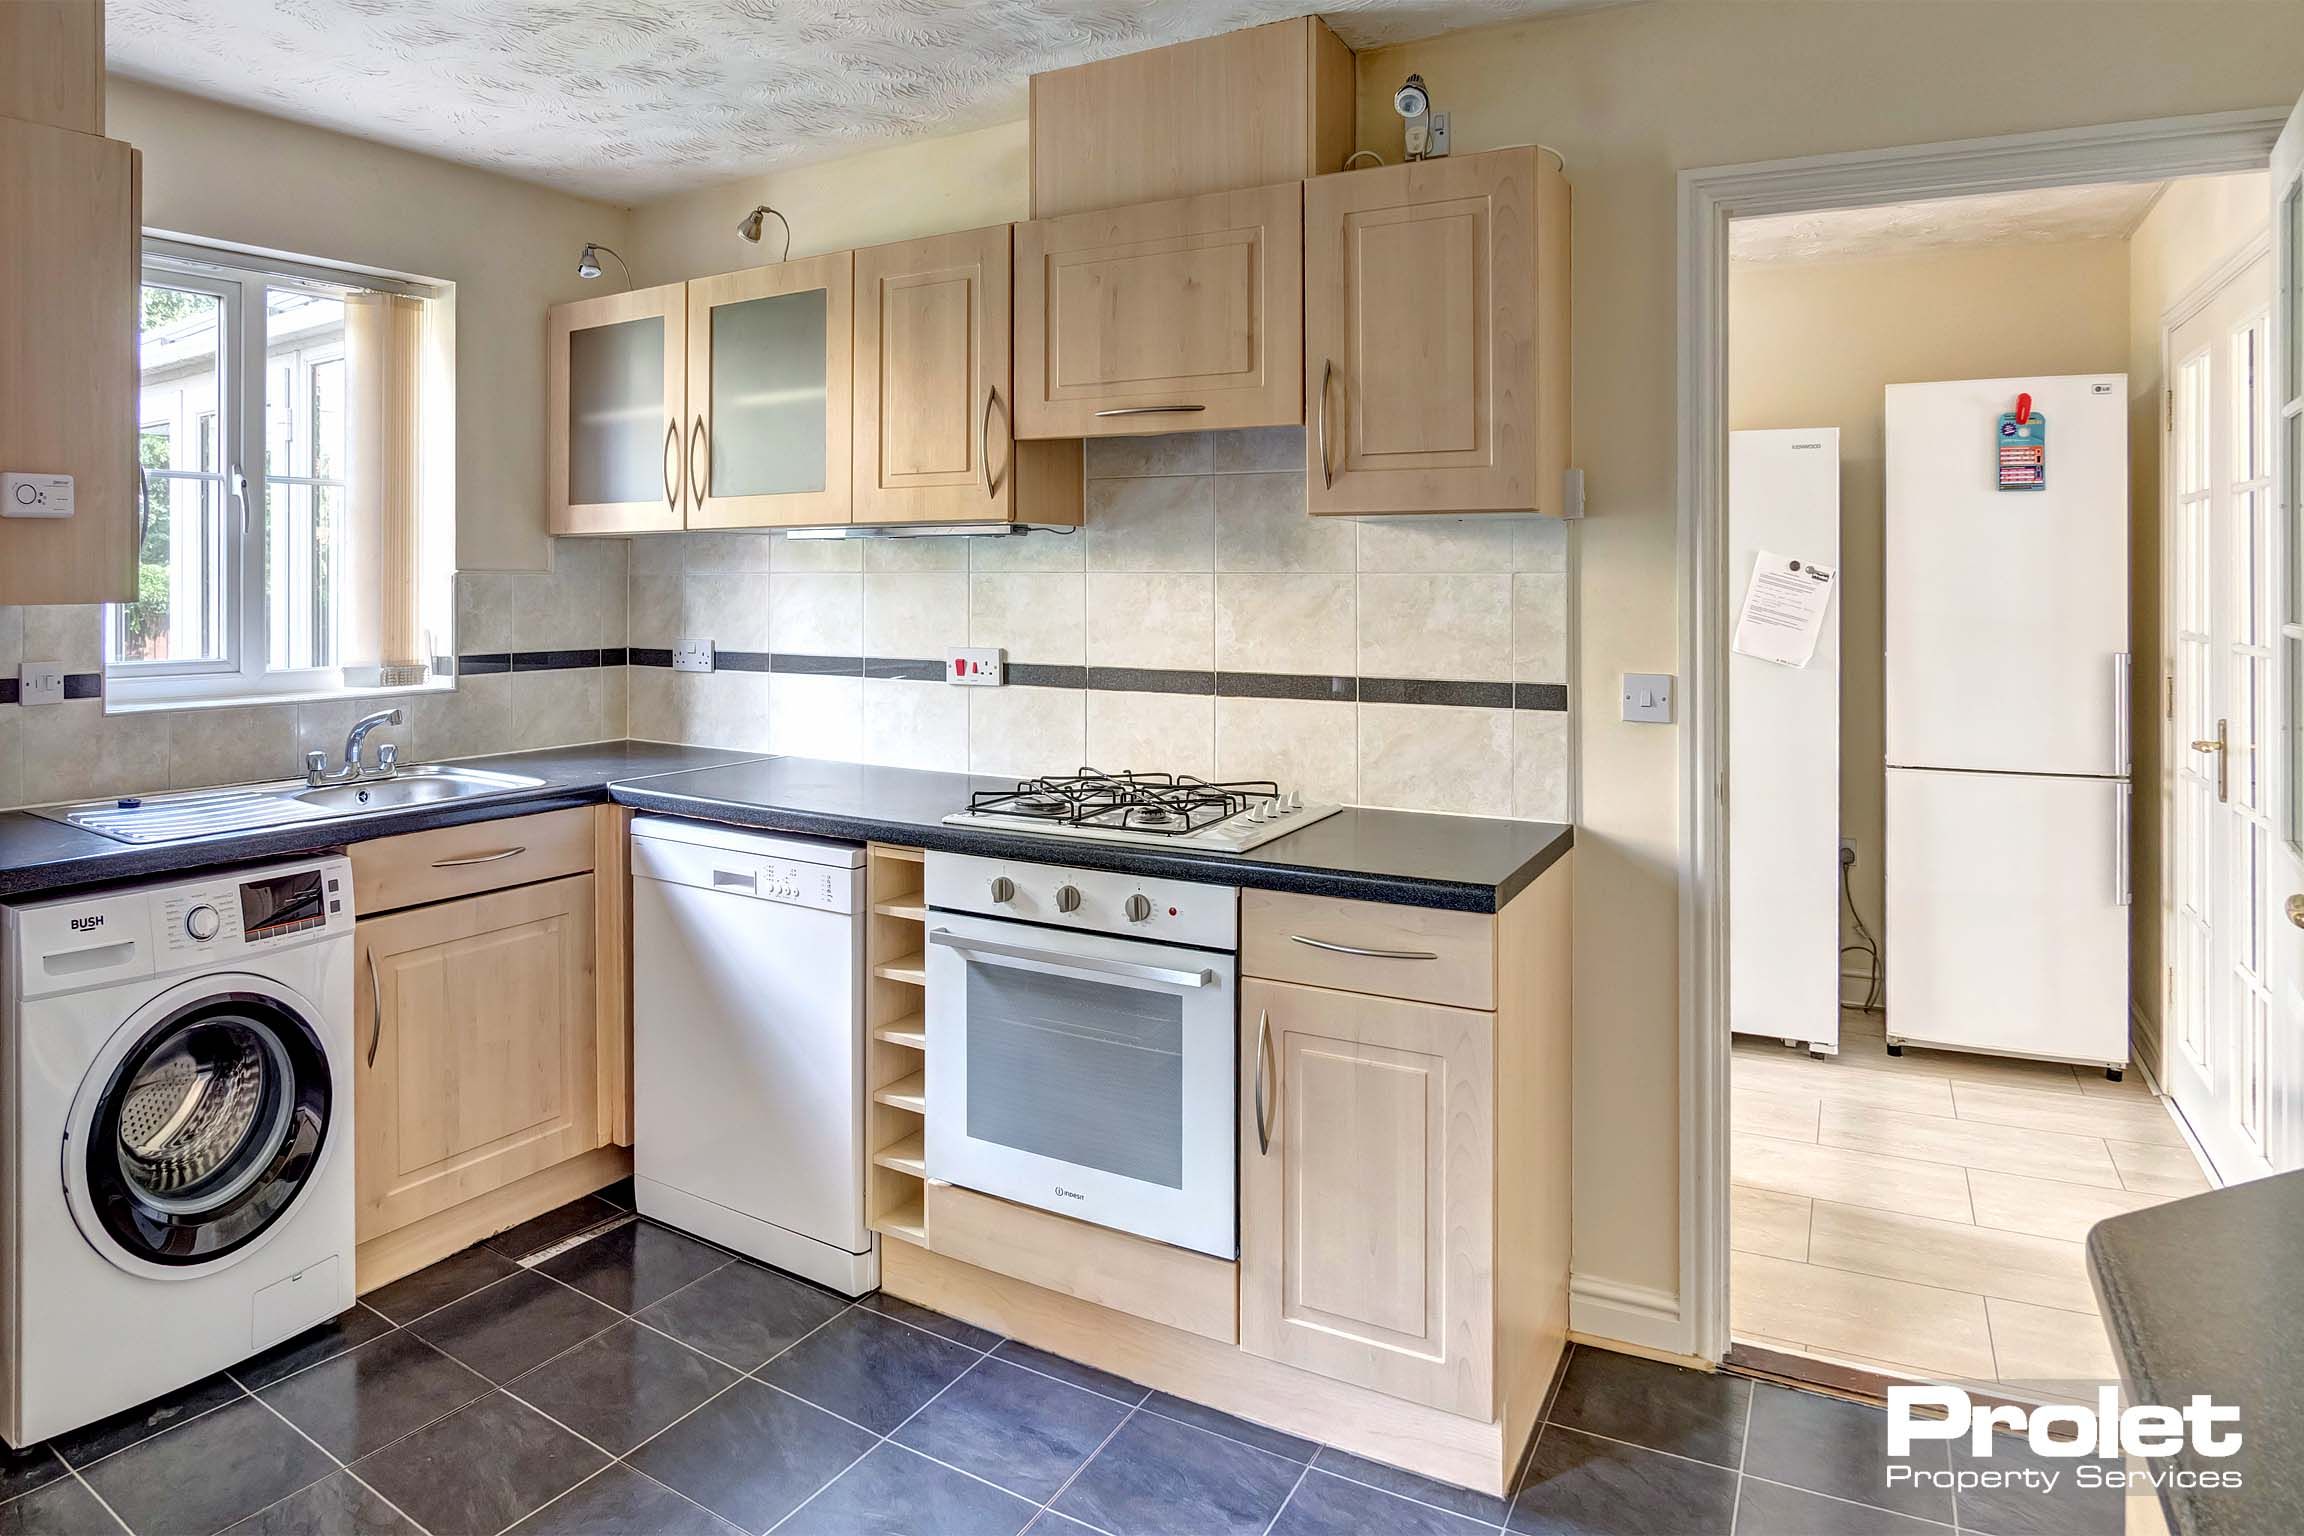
[1069,1194]
[2093,1439]
[88,924]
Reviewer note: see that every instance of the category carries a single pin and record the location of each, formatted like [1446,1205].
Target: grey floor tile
[452,1279]
[22,1471]
[1220,1423]
[348,1331]
[2067,1509]
[1661,1407]
[634,1266]
[752,1454]
[1014,1427]
[1157,1476]
[892,1492]
[618,1194]
[618,1388]
[515,1326]
[621,1502]
[202,1476]
[1330,1506]
[1580,1485]
[481,1468]
[554,1226]
[118,1431]
[935,1322]
[742,1314]
[1839,1448]
[1078,1375]
[334,1506]
[363,1401]
[865,1367]
[59,1509]
[1484,1507]
[1771,1509]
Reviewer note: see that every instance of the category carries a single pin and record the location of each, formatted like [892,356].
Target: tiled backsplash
[536,643]
[1201,622]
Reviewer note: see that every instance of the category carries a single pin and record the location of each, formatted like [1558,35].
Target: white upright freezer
[2007,734]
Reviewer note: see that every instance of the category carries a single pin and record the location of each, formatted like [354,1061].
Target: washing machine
[176,1072]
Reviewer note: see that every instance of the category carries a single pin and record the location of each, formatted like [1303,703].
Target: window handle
[239,485]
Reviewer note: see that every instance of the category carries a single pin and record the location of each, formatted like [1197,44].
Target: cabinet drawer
[393,872]
[1368,946]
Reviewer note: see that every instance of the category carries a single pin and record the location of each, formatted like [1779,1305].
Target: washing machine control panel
[258,911]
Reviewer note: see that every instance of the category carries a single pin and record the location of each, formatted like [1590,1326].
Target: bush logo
[88,924]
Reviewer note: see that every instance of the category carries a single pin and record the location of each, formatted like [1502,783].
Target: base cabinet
[478,1048]
[1367,1191]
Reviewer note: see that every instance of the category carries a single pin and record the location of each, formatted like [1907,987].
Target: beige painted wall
[1813,345]
[509,247]
[2193,227]
[1632,95]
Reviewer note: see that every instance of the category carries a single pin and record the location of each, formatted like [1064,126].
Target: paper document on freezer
[1784,609]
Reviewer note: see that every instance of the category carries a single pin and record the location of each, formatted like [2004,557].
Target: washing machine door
[199,1127]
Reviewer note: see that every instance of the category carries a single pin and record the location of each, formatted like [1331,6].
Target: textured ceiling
[2050,216]
[630,99]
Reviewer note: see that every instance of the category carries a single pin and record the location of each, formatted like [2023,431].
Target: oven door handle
[1077,964]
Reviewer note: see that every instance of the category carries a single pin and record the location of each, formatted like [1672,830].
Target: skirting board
[1638,1319]
[385,1258]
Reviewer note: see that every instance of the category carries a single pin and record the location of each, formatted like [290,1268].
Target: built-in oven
[1083,1045]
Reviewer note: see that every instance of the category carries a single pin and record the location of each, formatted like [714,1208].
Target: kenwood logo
[1070,1194]
[87,924]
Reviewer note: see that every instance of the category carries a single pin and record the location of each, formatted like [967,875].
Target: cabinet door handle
[1327,372]
[984,445]
[1151,410]
[696,478]
[375,1010]
[674,477]
[497,857]
[1365,954]
[1263,1122]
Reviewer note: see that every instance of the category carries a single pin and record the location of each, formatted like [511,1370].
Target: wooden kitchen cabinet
[476,1048]
[1367,1194]
[616,417]
[935,411]
[1436,346]
[1180,316]
[71,254]
[769,394]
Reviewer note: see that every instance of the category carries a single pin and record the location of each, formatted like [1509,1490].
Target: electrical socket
[1847,852]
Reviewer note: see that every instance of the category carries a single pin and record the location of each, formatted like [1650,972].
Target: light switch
[1648,698]
[691,655]
[980,666]
[40,682]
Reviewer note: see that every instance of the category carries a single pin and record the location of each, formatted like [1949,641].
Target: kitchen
[1200,624]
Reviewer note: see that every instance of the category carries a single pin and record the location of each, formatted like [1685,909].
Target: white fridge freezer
[2006,723]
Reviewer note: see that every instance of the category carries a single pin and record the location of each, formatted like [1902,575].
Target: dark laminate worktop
[38,855]
[2200,1296]
[1466,863]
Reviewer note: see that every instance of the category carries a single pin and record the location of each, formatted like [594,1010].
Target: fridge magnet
[2021,439]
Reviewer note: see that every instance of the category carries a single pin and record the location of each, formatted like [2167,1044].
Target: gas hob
[1161,810]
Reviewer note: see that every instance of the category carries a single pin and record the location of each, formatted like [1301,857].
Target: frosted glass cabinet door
[619,380]
[769,394]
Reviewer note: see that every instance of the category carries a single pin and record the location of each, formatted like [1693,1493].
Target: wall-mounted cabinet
[1436,347]
[769,359]
[1182,316]
[935,414]
[619,379]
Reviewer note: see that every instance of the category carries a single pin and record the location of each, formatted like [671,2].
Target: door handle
[2120,677]
[2221,745]
[2122,804]
[1079,965]
[481,858]
[1327,475]
[2294,907]
[1365,954]
[375,1009]
[1263,1123]
[695,476]
[984,444]
[1151,410]
[674,477]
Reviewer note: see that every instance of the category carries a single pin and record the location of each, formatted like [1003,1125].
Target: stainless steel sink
[250,807]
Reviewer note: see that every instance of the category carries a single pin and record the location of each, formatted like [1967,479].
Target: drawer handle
[480,858]
[1151,410]
[375,1010]
[1263,1124]
[1327,474]
[1365,954]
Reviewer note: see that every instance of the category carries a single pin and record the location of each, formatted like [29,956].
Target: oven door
[1091,1076]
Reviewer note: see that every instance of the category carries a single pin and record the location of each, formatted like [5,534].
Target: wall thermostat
[23,495]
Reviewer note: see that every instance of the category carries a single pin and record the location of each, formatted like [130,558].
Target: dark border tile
[1415,690]
[613,655]
[1150,680]
[647,656]
[1035,674]
[1545,696]
[820,666]
[83,685]
[7,690]
[483,663]
[904,669]
[1286,685]
[741,661]
[553,661]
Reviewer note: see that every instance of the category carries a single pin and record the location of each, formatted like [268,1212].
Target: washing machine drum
[207,1130]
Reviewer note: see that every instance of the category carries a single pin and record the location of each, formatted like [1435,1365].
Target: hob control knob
[1003,888]
[1138,908]
[202,922]
[1067,898]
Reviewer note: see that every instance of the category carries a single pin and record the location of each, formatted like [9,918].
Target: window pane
[304,449]
[178,614]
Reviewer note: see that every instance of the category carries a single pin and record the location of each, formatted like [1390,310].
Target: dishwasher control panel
[738,863]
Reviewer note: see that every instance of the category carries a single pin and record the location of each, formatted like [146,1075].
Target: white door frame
[2212,144]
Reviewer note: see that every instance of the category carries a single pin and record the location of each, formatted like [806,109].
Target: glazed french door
[2284,875]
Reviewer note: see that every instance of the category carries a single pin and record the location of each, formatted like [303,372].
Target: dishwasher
[748,1045]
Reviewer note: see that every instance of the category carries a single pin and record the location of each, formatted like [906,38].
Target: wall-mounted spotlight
[750,226]
[588,264]
[1427,131]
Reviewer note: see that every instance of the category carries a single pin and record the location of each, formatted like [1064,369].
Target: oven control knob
[1003,888]
[1067,898]
[202,922]
[1138,908]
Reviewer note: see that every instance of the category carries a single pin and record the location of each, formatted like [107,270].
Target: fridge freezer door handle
[2122,802]
[2120,678]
